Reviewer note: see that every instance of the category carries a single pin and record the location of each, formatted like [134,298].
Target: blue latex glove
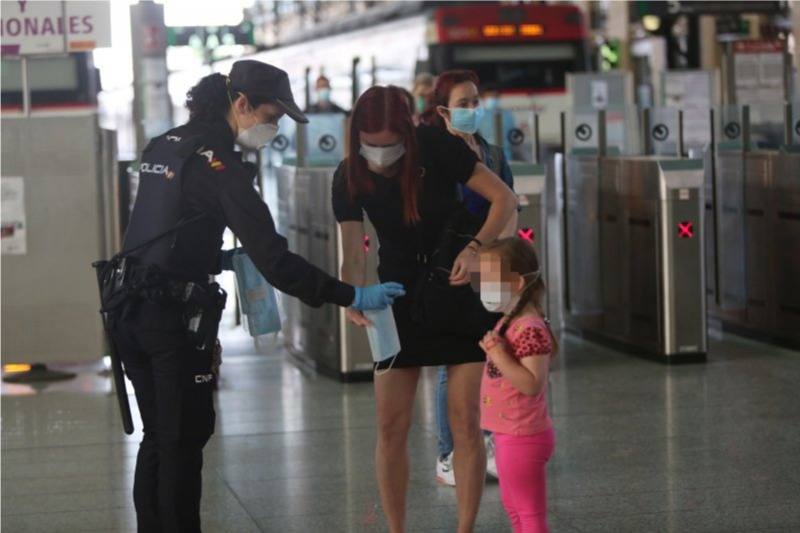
[376,297]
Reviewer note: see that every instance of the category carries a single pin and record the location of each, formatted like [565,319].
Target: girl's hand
[492,344]
[357,317]
[460,275]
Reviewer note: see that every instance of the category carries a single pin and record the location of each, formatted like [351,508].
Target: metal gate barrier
[633,227]
[303,163]
[758,223]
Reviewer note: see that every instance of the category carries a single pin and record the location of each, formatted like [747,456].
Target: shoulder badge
[212,160]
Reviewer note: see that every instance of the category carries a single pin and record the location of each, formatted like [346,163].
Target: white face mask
[257,136]
[496,296]
[499,297]
[383,156]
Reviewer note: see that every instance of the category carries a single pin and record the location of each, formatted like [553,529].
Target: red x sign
[685,230]
[527,234]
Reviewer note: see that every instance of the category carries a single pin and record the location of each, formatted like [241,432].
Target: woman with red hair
[406,180]
[456,108]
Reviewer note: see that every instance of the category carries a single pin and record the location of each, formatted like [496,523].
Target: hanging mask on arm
[382,156]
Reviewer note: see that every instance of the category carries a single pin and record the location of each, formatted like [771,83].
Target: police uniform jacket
[194,169]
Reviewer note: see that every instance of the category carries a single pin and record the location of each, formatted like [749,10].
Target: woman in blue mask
[457,109]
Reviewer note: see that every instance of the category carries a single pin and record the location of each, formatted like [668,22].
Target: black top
[445,162]
[226,193]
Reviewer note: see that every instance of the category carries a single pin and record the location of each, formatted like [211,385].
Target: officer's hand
[376,297]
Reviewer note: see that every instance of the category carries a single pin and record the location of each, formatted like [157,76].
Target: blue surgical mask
[490,103]
[466,119]
[323,95]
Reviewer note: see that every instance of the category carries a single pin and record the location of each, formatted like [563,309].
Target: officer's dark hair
[211,98]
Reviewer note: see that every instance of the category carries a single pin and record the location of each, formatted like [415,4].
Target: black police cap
[261,79]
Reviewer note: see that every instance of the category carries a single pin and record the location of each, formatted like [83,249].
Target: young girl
[514,385]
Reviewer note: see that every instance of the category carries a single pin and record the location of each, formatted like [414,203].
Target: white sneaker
[444,470]
[491,463]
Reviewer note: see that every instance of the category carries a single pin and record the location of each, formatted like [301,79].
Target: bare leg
[469,456]
[394,399]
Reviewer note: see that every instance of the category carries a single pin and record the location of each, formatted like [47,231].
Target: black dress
[446,161]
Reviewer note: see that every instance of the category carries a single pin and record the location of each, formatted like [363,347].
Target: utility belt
[124,283]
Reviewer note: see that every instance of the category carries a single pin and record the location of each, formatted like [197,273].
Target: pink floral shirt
[504,409]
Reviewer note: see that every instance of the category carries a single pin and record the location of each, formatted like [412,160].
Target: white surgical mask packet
[384,342]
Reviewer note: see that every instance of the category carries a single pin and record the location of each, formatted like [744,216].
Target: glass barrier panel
[621,132]
[766,125]
[582,130]
[664,130]
[520,139]
[325,139]
[796,122]
[283,148]
[696,128]
[728,126]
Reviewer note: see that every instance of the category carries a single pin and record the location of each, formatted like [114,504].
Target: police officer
[192,185]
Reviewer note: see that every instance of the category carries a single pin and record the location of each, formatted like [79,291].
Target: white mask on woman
[383,156]
[257,136]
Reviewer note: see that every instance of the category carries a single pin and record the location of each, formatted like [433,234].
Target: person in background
[457,109]
[322,91]
[491,103]
[405,179]
[422,92]
[514,385]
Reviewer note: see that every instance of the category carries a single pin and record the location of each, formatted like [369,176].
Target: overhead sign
[49,27]
[210,37]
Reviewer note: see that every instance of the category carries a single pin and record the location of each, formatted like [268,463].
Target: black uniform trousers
[174,390]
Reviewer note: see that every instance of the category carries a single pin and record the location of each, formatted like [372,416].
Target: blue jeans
[445,435]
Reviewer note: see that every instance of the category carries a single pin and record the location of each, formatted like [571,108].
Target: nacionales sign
[32,27]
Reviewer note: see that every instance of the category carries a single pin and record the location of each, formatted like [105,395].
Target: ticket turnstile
[530,185]
[320,337]
[652,254]
[757,233]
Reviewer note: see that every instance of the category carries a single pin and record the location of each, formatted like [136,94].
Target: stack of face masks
[256,297]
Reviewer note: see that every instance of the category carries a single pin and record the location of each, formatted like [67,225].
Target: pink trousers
[521,464]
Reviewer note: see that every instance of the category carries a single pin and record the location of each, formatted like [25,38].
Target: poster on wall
[759,69]
[12,216]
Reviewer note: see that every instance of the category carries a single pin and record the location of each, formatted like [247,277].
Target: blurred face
[323,83]
[423,89]
[493,270]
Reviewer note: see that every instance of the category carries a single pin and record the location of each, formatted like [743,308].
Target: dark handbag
[438,306]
